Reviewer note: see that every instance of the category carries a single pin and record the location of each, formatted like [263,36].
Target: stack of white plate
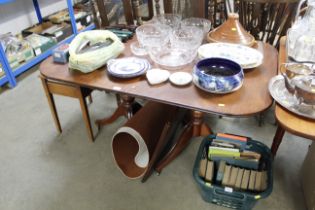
[127,67]
[245,56]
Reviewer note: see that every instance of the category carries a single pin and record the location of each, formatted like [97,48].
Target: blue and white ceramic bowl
[218,75]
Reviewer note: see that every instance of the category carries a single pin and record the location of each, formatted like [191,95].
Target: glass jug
[301,36]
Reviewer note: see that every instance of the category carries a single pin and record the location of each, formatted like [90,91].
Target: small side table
[55,87]
[288,121]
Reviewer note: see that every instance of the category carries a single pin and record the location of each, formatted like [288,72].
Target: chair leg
[86,116]
[52,105]
[90,99]
[277,140]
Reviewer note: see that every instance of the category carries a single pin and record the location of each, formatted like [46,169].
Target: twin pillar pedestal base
[194,127]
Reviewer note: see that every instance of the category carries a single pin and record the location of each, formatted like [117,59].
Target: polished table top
[252,98]
[289,121]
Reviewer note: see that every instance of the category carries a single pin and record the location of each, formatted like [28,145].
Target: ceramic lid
[231,31]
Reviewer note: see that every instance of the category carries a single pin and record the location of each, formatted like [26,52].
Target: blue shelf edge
[90,27]
[3,80]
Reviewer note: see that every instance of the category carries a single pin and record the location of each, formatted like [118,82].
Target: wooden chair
[214,10]
[187,8]
[267,20]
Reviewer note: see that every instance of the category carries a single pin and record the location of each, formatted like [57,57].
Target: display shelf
[8,77]
[10,74]
[24,67]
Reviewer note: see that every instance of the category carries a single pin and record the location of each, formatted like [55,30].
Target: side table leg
[277,140]
[85,114]
[51,103]
[195,127]
[124,109]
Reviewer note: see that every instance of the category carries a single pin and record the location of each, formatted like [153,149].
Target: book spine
[230,136]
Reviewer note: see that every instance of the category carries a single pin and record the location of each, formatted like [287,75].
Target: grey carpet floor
[40,169]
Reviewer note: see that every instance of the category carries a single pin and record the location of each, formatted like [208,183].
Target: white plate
[245,56]
[127,67]
[180,78]
[130,65]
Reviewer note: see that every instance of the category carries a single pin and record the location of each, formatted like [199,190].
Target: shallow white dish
[180,78]
[245,56]
[127,67]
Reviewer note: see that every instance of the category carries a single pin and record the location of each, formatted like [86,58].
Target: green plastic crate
[220,195]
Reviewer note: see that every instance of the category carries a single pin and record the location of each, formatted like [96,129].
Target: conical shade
[231,31]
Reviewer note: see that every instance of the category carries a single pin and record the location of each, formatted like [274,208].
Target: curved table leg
[196,127]
[127,102]
[200,127]
[124,109]
[277,140]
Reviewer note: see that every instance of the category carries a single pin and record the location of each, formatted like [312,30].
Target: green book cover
[223,152]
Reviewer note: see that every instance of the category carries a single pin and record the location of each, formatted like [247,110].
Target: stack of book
[228,162]
[232,149]
[240,178]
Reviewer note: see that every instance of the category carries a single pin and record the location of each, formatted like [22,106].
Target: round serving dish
[245,56]
[171,58]
[289,101]
[128,67]
[218,75]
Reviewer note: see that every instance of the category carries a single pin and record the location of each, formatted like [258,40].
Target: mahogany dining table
[251,99]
